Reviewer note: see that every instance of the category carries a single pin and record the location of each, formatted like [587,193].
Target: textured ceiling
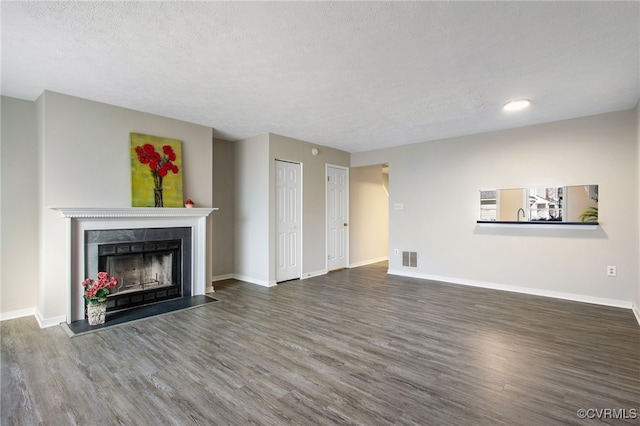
[351,75]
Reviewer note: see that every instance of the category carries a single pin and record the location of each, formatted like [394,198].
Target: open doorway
[369,214]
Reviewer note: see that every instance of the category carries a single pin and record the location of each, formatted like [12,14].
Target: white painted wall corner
[49,322]
[636,312]
[221,277]
[254,280]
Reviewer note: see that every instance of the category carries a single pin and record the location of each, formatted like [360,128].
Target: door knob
[346,224]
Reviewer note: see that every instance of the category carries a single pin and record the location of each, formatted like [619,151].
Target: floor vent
[410,259]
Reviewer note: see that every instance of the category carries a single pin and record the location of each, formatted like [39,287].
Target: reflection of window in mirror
[488,205]
[545,204]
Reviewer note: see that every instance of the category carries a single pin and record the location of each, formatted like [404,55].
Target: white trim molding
[222,277]
[636,312]
[515,289]
[254,281]
[19,313]
[49,322]
[132,212]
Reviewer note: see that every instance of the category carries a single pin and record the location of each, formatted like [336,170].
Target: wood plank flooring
[352,347]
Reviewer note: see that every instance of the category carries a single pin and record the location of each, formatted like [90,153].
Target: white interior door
[288,221]
[337,217]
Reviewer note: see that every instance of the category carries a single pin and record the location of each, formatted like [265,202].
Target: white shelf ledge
[115,212]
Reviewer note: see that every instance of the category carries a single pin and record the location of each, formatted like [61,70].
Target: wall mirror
[564,204]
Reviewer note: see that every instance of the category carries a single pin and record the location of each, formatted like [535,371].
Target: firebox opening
[148,272]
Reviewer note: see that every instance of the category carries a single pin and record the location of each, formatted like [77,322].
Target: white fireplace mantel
[80,220]
[116,212]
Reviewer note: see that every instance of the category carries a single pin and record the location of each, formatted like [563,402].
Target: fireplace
[146,271]
[148,262]
[157,253]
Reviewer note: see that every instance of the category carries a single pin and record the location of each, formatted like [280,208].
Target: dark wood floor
[353,347]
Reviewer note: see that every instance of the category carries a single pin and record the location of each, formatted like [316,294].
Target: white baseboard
[49,322]
[261,282]
[525,290]
[254,280]
[17,314]
[636,312]
[221,277]
[307,275]
[368,262]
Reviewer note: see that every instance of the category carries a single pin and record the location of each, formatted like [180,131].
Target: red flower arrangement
[96,292]
[160,166]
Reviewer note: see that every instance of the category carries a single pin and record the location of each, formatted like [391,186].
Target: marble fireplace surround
[80,220]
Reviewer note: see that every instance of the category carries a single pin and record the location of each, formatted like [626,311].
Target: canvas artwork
[156,171]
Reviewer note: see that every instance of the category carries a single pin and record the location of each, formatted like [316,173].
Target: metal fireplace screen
[148,272]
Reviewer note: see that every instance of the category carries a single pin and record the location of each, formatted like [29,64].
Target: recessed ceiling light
[516,104]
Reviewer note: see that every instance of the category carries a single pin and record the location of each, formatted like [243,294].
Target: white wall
[314,251]
[368,216]
[637,207]
[438,184]
[83,161]
[19,175]
[251,210]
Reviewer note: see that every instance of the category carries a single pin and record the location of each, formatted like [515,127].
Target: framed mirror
[562,204]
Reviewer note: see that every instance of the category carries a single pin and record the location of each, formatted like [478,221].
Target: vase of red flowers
[95,294]
[159,164]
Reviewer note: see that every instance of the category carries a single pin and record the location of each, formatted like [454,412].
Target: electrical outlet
[396,252]
[612,271]
[398,206]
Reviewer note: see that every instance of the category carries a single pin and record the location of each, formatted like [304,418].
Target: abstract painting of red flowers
[156,178]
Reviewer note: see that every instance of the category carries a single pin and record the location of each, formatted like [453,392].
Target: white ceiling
[351,75]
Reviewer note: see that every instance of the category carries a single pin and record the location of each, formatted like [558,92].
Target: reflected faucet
[524,215]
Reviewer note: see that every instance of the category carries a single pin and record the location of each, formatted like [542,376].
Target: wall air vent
[410,259]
